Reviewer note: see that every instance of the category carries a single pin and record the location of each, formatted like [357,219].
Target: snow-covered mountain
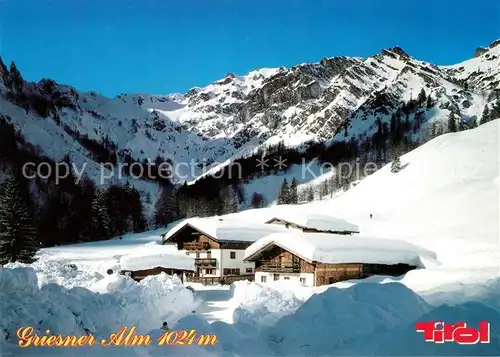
[337,99]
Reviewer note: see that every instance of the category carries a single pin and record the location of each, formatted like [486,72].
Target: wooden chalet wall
[204,239]
[332,273]
[189,235]
[279,256]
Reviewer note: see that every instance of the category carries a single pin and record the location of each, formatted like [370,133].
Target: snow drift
[263,304]
[116,301]
[157,256]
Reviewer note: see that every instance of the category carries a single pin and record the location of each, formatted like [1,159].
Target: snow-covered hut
[317,258]
[313,222]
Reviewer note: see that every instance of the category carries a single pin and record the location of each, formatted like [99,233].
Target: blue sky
[164,46]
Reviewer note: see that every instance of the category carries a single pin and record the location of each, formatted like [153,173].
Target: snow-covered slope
[445,196]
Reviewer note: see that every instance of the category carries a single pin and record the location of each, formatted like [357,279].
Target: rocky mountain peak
[480,51]
[494,44]
[398,50]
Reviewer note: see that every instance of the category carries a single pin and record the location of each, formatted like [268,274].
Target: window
[286,278]
[303,280]
[276,277]
[231,271]
[206,246]
[263,279]
[232,255]
[209,271]
[197,254]
[249,270]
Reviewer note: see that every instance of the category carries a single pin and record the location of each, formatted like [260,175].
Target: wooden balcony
[205,262]
[280,267]
[196,246]
[192,246]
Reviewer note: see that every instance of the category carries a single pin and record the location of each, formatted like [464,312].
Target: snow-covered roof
[156,255]
[337,248]
[232,230]
[316,221]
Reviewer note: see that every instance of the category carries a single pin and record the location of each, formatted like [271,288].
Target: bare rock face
[480,51]
[494,44]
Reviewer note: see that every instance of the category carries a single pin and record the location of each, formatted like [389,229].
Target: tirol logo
[441,332]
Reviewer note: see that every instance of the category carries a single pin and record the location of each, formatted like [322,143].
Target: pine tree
[396,165]
[310,194]
[323,189]
[165,207]
[257,200]
[136,214]
[486,115]
[421,97]
[393,130]
[294,196]
[495,111]
[18,238]
[452,123]
[228,200]
[462,125]
[284,193]
[101,222]
[430,104]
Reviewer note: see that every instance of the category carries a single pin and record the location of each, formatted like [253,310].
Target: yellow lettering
[27,338]
[191,336]
[85,340]
[91,340]
[140,340]
[207,339]
[24,336]
[68,340]
[113,340]
[166,338]
[51,341]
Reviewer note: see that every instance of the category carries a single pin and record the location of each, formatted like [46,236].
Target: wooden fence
[225,280]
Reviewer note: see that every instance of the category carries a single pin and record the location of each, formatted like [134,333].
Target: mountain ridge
[336,99]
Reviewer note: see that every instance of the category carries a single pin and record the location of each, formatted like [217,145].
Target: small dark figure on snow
[165,326]
[371,216]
